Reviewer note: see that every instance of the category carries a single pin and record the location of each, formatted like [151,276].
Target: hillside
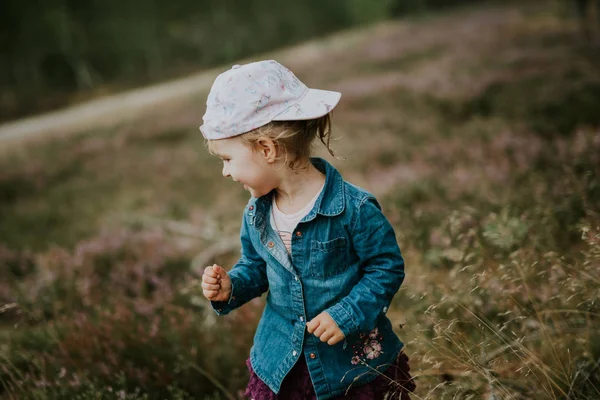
[478,130]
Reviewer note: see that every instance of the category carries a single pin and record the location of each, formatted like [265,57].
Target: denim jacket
[345,261]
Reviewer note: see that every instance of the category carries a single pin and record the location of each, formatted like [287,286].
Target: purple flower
[373,334]
[372,349]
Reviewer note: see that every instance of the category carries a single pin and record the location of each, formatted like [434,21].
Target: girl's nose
[225,172]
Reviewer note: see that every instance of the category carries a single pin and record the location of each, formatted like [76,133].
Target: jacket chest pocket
[328,258]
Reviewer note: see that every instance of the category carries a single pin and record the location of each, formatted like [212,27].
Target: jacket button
[312,355]
[251,208]
[271,244]
[298,233]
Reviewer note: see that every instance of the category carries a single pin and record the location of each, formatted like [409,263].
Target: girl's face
[252,168]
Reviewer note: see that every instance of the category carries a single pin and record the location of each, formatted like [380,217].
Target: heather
[478,130]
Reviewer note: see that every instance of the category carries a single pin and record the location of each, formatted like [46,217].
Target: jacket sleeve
[248,276]
[382,265]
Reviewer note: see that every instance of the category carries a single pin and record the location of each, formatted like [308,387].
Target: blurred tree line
[54,50]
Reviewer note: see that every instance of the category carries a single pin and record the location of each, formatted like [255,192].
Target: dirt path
[105,111]
[378,42]
[119,108]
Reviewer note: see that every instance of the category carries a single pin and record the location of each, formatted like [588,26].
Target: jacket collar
[331,201]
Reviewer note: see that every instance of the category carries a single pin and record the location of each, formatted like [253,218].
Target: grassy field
[478,130]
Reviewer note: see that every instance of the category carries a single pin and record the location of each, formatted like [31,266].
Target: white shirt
[284,224]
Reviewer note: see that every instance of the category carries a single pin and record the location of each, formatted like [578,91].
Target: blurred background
[58,52]
[475,123]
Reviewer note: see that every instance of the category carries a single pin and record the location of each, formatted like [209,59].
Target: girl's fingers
[209,286]
[219,271]
[312,325]
[210,271]
[319,331]
[335,339]
[210,294]
[209,279]
[326,336]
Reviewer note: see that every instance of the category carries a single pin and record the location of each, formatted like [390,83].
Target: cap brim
[314,104]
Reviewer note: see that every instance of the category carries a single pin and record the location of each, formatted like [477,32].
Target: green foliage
[552,104]
[404,7]
[503,231]
[407,7]
[364,11]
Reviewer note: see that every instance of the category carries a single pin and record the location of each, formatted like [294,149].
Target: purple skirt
[297,385]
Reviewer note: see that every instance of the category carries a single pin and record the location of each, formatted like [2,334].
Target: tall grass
[494,191]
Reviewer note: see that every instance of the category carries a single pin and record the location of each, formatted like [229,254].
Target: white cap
[252,95]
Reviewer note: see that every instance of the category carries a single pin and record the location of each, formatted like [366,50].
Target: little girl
[320,246]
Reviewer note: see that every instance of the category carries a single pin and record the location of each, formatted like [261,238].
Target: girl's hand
[216,284]
[325,328]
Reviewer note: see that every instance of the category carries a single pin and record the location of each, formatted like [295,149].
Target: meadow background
[477,127]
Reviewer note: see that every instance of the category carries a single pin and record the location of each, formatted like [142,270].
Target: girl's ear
[268,148]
